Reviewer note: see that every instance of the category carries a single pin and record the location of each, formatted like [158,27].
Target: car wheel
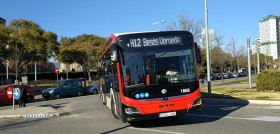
[80,93]
[58,96]
[95,91]
[29,99]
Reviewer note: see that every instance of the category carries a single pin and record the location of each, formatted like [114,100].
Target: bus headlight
[131,110]
[197,102]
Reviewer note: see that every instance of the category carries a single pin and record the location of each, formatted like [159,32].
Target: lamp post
[7,67]
[207,50]
[157,23]
[258,58]
[35,74]
[249,62]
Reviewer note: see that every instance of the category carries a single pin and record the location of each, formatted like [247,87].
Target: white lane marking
[153,130]
[264,107]
[230,108]
[256,118]
[271,107]
[266,118]
[218,105]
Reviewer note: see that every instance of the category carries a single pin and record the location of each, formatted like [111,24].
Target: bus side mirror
[113,53]
[198,54]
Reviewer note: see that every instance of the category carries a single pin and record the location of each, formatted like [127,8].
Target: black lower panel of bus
[139,117]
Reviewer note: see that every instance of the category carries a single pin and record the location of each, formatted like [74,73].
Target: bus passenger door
[117,96]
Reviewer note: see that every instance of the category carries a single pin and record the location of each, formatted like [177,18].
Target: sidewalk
[44,111]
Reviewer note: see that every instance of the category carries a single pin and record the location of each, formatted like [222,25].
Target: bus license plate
[168,114]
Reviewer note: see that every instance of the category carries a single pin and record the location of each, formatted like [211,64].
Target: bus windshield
[163,65]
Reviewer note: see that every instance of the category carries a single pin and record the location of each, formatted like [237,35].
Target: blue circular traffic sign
[16,93]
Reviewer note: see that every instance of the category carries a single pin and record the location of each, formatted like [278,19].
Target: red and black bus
[148,75]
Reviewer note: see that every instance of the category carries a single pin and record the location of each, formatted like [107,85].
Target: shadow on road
[15,124]
[212,111]
[117,129]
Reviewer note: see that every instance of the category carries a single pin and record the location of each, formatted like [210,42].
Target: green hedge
[269,81]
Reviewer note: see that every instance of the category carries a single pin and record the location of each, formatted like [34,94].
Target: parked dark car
[4,97]
[93,89]
[242,74]
[63,88]
[219,76]
[230,75]
[235,75]
[226,76]
[214,76]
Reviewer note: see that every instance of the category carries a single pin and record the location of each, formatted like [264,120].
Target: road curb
[240,101]
[10,117]
[33,115]
[37,115]
[265,102]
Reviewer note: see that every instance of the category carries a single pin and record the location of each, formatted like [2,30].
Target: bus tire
[123,115]
[113,108]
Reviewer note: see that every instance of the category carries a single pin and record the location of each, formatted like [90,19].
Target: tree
[25,42]
[220,60]
[4,37]
[83,49]
[187,23]
[231,49]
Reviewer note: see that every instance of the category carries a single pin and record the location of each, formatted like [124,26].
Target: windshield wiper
[161,55]
[142,88]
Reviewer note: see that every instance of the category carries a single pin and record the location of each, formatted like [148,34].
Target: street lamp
[7,69]
[207,50]
[157,23]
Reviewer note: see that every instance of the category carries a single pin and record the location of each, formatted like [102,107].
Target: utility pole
[207,50]
[35,74]
[249,62]
[7,67]
[258,58]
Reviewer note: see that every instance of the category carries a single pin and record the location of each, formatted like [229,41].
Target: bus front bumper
[139,117]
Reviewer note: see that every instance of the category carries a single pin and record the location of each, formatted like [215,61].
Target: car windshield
[57,84]
[159,66]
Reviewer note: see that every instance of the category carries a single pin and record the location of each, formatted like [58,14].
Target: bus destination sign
[154,41]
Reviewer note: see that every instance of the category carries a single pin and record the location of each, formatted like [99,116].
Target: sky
[236,19]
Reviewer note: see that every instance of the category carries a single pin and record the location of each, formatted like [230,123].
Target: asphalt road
[89,115]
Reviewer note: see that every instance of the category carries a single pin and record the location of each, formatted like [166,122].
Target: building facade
[72,67]
[255,45]
[270,36]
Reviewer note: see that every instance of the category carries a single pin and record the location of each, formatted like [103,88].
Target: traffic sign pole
[56,71]
[16,95]
[14,102]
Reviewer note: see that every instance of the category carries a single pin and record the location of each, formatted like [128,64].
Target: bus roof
[113,38]
[120,34]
